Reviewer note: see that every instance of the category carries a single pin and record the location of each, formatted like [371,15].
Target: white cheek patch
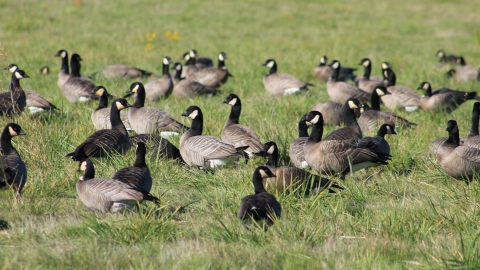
[166,61]
[13,133]
[379,92]
[263,174]
[366,63]
[63,54]
[13,69]
[192,54]
[384,66]
[271,149]
[179,67]
[426,86]
[315,119]
[270,64]
[119,105]
[100,92]
[323,60]
[335,65]
[186,57]
[389,130]
[233,102]
[134,90]
[193,114]
[352,105]
[83,166]
[18,75]
[220,57]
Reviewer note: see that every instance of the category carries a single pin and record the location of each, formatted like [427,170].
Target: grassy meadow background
[412,215]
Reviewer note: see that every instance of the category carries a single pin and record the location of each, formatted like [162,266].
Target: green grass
[411,215]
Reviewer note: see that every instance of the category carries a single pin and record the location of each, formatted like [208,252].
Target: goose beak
[184,114]
[260,153]
[21,133]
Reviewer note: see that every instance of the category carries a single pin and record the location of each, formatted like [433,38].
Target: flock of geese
[355,106]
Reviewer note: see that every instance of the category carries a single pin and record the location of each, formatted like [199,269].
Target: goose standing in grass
[14,170]
[239,135]
[106,141]
[367,83]
[101,115]
[464,73]
[77,88]
[34,101]
[378,144]
[158,146]
[15,100]
[351,132]
[161,88]
[123,71]
[262,208]
[137,175]
[281,83]
[444,58]
[108,195]
[213,76]
[323,72]
[458,161]
[206,152]
[185,87]
[341,91]
[297,147]
[443,99]
[473,137]
[401,97]
[288,178]
[336,157]
[150,120]
[64,73]
[372,118]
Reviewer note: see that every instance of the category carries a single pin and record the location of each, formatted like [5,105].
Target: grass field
[412,215]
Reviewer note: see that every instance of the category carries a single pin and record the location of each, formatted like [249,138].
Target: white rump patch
[34,110]
[411,108]
[83,99]
[290,91]
[167,134]
[362,165]
[304,165]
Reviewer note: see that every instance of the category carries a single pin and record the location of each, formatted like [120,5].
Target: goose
[281,83]
[288,178]
[137,175]
[44,70]
[101,115]
[473,137]
[336,157]
[239,135]
[206,152]
[148,119]
[77,88]
[162,87]
[458,161]
[372,117]
[446,58]
[106,141]
[443,99]
[190,64]
[108,195]
[158,145]
[123,71]
[64,73]
[185,87]
[378,144]
[367,83]
[213,76]
[332,112]
[341,91]
[296,150]
[323,72]
[401,97]
[261,208]
[201,62]
[14,101]
[351,132]
[14,171]
[463,72]
[34,101]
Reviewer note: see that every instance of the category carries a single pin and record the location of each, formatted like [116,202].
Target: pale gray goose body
[108,195]
[186,87]
[443,99]
[77,88]
[464,72]
[206,152]
[297,147]
[351,133]
[281,83]
[378,144]
[124,71]
[239,135]
[323,72]
[148,119]
[336,157]
[101,115]
[401,97]
[13,169]
[213,76]
[339,91]
[160,88]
